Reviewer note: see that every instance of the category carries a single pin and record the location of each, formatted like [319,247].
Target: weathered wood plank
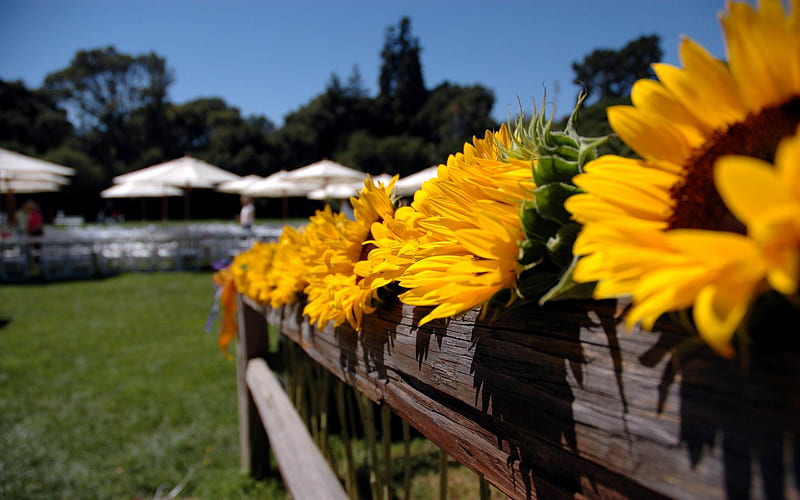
[563,401]
[252,343]
[305,472]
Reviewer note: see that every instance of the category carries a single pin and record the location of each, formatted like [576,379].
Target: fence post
[252,343]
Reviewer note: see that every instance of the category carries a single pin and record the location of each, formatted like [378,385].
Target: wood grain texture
[254,452]
[306,474]
[562,401]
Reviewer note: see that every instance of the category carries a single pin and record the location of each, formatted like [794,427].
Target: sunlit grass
[112,389]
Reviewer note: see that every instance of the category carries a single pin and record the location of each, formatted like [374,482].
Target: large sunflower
[334,245]
[769,205]
[250,270]
[287,273]
[656,228]
[456,246]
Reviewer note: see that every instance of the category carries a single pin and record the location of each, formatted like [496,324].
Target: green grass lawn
[112,389]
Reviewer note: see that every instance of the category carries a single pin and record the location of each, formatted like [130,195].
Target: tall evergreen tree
[402,88]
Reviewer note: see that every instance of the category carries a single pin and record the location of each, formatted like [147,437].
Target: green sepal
[550,200]
[568,152]
[559,247]
[567,288]
[531,253]
[535,282]
[552,168]
[562,139]
[536,227]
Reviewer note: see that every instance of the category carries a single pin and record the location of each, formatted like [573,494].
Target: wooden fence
[557,402]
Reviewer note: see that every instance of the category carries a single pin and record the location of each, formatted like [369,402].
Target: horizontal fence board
[564,401]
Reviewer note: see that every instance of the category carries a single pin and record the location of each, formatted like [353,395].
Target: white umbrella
[140,190]
[326,172]
[408,185]
[33,176]
[185,172]
[31,185]
[143,190]
[13,164]
[238,186]
[16,167]
[384,179]
[181,172]
[278,185]
[338,191]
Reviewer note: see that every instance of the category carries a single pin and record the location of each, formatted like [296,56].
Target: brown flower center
[697,202]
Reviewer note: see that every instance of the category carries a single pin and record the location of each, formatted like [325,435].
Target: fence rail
[562,401]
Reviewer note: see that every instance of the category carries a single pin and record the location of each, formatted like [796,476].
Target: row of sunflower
[706,219]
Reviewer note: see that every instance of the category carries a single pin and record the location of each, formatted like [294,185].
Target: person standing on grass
[247,214]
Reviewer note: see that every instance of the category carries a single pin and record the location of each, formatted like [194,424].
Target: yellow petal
[787,161]
[648,134]
[749,187]
[718,311]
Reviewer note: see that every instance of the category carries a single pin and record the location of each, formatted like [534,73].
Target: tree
[453,114]
[402,88]
[30,121]
[321,128]
[193,122]
[606,73]
[102,85]
[103,89]
[395,154]
[355,85]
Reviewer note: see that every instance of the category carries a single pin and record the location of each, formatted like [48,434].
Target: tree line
[108,113]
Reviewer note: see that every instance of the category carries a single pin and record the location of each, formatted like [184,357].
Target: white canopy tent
[140,190]
[339,191]
[31,185]
[408,185]
[239,186]
[185,173]
[344,190]
[14,165]
[143,190]
[278,185]
[325,172]
[24,174]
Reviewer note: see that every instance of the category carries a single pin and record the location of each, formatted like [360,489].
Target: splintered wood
[562,401]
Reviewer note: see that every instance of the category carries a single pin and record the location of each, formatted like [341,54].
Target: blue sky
[269,57]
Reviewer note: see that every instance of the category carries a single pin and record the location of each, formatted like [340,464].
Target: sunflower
[286,275]
[334,246]
[456,246]
[656,228]
[251,268]
[767,201]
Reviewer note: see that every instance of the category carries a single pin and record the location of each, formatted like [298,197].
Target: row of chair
[39,258]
